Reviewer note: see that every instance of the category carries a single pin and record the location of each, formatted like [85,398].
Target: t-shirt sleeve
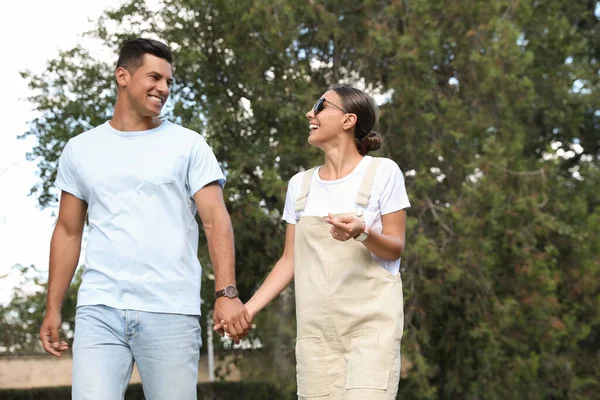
[66,176]
[203,167]
[393,195]
[289,211]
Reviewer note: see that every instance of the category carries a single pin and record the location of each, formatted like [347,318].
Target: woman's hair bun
[372,142]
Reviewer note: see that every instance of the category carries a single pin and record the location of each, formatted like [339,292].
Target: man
[140,181]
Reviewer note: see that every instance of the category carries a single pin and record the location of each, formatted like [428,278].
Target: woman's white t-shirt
[388,194]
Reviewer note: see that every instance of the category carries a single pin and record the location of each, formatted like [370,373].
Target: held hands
[345,227]
[224,329]
[231,317]
[49,334]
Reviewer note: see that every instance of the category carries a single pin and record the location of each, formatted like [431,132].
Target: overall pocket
[366,366]
[311,371]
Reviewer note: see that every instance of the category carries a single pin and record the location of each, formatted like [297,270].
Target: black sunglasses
[320,105]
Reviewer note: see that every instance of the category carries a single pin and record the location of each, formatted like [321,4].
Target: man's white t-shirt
[142,247]
[388,195]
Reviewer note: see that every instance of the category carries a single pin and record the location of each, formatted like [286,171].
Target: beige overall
[349,311]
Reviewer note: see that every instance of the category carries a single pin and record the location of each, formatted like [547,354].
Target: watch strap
[361,237]
[230,292]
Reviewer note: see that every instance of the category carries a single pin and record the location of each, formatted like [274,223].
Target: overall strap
[301,200]
[364,192]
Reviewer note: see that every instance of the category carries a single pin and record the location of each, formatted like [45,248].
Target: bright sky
[53,25]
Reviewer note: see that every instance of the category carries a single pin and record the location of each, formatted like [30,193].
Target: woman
[344,239]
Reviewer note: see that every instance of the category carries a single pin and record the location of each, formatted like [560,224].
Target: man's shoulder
[89,136]
[181,132]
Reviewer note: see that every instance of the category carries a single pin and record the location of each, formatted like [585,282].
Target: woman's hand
[223,329]
[345,227]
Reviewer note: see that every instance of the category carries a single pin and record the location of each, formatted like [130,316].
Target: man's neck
[129,121]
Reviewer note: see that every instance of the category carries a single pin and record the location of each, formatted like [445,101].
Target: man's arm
[65,248]
[278,279]
[219,234]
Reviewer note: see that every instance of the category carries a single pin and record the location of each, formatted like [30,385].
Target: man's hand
[232,314]
[49,334]
[221,327]
[65,248]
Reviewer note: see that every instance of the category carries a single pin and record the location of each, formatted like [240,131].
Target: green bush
[206,391]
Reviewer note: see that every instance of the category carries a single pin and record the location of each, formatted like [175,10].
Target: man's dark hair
[132,53]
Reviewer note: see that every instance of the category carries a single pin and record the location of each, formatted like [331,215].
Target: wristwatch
[230,292]
[361,237]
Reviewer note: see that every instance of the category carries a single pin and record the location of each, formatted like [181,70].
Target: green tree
[22,316]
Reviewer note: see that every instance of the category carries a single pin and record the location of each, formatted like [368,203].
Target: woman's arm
[389,244]
[280,276]
[278,279]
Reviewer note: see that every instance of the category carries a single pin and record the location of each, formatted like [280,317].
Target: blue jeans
[166,348]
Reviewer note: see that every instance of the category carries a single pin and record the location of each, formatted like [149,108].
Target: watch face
[230,291]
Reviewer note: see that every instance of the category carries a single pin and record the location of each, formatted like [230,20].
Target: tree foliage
[21,318]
